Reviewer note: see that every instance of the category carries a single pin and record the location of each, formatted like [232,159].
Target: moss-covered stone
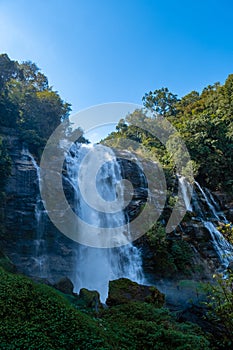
[64,285]
[90,298]
[123,291]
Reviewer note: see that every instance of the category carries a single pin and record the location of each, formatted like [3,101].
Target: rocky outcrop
[131,171]
[225,201]
[46,254]
[123,291]
[89,299]
[49,254]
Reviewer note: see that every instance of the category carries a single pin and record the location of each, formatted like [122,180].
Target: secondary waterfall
[223,248]
[95,267]
[210,215]
[186,191]
[39,267]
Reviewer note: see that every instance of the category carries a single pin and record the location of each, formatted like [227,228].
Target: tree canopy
[203,120]
[28,103]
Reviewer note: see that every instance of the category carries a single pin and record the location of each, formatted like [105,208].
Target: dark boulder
[89,299]
[64,285]
[123,291]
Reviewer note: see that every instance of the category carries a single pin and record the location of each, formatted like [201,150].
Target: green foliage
[205,123]
[220,306]
[170,256]
[28,103]
[37,317]
[182,254]
[227,231]
[156,236]
[161,101]
[137,326]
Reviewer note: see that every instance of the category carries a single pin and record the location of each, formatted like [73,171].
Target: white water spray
[186,190]
[95,267]
[223,248]
[39,243]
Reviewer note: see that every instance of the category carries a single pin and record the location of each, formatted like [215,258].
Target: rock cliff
[38,249]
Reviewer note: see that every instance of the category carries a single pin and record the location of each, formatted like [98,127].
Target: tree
[161,101]
[28,103]
[121,126]
[8,70]
[220,306]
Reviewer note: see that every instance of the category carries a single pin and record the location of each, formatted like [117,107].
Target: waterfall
[216,207]
[39,267]
[186,191]
[95,267]
[211,207]
[223,248]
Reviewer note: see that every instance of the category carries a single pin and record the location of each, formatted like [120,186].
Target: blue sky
[102,51]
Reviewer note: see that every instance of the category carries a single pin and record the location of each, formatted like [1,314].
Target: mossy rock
[123,291]
[64,285]
[90,298]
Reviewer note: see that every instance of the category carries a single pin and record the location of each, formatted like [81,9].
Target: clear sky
[98,51]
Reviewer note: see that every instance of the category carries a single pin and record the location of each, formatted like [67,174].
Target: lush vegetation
[227,231]
[220,306]
[205,123]
[142,326]
[28,103]
[171,257]
[35,316]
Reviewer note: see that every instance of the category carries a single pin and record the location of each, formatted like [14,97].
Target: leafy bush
[220,306]
[227,231]
[170,256]
[28,103]
[141,326]
[37,317]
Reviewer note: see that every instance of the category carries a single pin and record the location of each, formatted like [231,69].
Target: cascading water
[186,191]
[223,248]
[211,208]
[210,215]
[39,243]
[95,267]
[216,207]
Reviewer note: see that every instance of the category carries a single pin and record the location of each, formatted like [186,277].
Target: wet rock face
[19,239]
[225,201]
[133,173]
[145,177]
[19,206]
